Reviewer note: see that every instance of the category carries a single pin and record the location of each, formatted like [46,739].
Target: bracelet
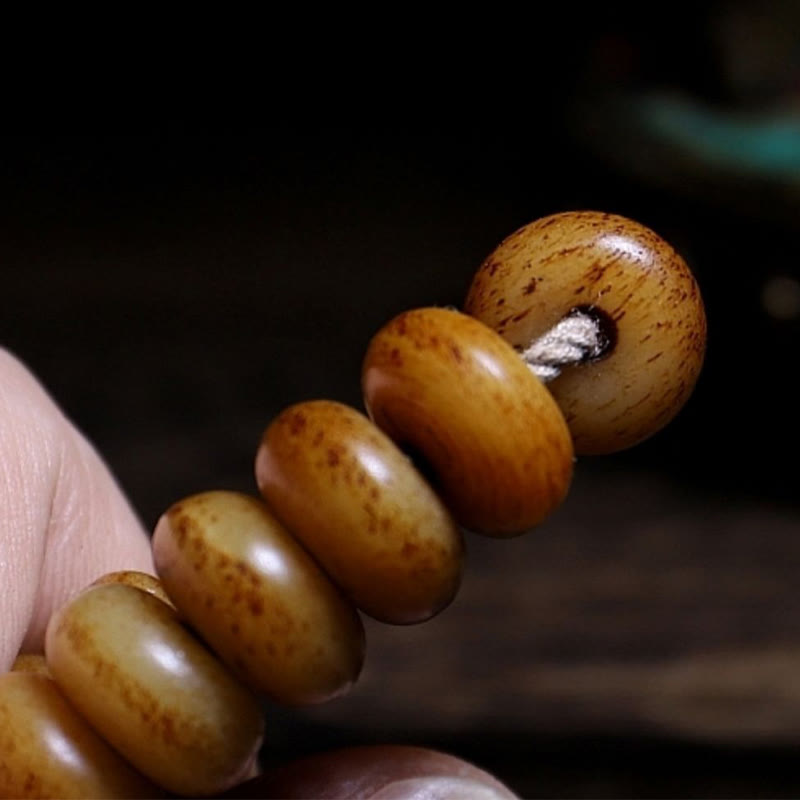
[582,333]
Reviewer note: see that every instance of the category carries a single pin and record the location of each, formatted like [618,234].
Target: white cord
[575,339]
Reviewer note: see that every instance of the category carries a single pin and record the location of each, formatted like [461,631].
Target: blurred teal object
[766,144]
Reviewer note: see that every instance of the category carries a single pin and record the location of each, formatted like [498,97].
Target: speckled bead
[31,662]
[139,580]
[357,503]
[454,394]
[258,598]
[152,690]
[48,750]
[643,295]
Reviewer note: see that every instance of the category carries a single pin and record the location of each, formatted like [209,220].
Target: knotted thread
[575,339]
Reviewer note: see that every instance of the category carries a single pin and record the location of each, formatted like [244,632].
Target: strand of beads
[347,523]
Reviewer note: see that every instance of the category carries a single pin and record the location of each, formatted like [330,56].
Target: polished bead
[48,750]
[257,597]
[357,503]
[637,287]
[139,580]
[152,690]
[30,662]
[457,397]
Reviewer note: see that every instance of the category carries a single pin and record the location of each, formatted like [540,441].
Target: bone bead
[152,690]
[643,295]
[30,662]
[356,502]
[453,393]
[48,750]
[258,598]
[139,580]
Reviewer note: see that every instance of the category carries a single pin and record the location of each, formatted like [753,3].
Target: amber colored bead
[457,396]
[356,502]
[152,690]
[139,580]
[48,750]
[639,289]
[257,597]
[30,662]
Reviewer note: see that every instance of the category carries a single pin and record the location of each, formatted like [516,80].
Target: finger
[390,772]
[63,519]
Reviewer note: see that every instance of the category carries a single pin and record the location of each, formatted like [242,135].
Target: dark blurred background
[174,291]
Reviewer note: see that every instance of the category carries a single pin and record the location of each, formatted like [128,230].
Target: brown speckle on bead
[372,522]
[36,721]
[483,425]
[123,659]
[253,571]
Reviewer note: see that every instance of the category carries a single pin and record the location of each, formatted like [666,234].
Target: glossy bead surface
[139,580]
[152,690]
[30,662]
[356,502]
[643,293]
[258,598]
[455,394]
[48,750]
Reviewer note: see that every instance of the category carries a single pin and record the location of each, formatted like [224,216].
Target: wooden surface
[646,640]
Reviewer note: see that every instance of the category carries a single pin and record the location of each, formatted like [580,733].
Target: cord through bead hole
[607,332]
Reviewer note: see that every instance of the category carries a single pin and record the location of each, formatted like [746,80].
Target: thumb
[63,519]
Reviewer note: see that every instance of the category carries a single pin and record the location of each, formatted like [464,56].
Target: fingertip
[28,472]
[92,531]
[438,787]
[388,772]
[63,519]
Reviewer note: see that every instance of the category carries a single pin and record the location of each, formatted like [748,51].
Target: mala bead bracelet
[153,686]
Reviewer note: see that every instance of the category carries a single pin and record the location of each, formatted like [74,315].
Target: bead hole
[606,331]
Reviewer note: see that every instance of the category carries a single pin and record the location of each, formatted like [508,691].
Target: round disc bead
[152,690]
[644,299]
[356,502]
[457,396]
[49,750]
[258,598]
[139,580]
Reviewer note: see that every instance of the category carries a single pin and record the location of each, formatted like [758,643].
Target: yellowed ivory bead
[30,662]
[390,772]
[152,690]
[257,597]
[139,580]
[48,750]
[357,503]
[640,290]
[452,391]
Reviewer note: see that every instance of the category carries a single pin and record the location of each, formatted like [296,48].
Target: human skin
[63,519]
